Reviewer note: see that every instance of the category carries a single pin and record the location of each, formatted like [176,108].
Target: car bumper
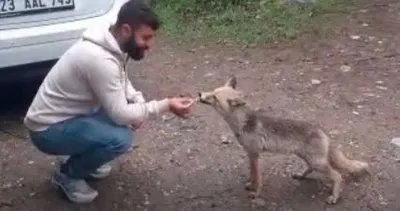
[43,43]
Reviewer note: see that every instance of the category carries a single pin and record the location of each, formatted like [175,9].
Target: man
[86,102]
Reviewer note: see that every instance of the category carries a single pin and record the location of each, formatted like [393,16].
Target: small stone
[231,59]
[382,200]
[206,62]
[379,82]
[4,203]
[334,132]
[146,199]
[396,141]
[345,68]
[382,87]
[32,194]
[258,202]
[380,42]
[20,180]
[384,203]
[7,186]
[383,175]
[208,75]
[365,24]
[317,69]
[369,94]
[225,140]
[165,193]
[31,162]
[363,10]
[194,67]
[355,37]
[315,81]
[356,113]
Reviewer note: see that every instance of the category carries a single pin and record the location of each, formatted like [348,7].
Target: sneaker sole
[79,200]
[99,176]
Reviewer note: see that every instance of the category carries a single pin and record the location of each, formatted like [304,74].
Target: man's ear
[232,82]
[236,102]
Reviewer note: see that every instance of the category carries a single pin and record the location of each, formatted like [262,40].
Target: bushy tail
[342,163]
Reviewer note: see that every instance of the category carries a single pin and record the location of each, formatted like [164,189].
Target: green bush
[243,21]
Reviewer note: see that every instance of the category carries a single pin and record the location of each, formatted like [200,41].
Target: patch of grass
[240,21]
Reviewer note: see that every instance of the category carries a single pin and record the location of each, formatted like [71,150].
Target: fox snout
[203,98]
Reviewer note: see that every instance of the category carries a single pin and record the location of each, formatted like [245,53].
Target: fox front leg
[255,183]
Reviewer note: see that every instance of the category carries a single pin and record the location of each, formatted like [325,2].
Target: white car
[37,31]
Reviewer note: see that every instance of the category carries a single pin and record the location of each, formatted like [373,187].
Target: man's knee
[122,141]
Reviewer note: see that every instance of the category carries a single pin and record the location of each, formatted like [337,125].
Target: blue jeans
[90,141]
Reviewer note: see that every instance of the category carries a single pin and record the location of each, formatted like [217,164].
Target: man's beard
[133,50]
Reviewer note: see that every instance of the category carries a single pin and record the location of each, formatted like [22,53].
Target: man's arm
[104,77]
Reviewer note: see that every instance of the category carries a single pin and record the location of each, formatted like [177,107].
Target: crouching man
[86,104]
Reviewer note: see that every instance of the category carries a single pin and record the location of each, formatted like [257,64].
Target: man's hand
[180,106]
[137,125]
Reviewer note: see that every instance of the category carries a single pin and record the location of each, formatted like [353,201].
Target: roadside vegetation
[245,21]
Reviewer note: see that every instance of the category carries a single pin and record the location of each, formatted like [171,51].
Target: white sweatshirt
[91,74]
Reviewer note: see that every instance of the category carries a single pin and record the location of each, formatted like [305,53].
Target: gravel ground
[348,83]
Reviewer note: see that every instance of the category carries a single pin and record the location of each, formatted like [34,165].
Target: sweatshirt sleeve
[133,95]
[104,78]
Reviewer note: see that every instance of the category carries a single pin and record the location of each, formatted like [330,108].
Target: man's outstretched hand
[180,106]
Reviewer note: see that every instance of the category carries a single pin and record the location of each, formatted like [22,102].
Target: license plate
[24,7]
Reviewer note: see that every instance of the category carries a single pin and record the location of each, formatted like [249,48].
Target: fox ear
[232,82]
[236,102]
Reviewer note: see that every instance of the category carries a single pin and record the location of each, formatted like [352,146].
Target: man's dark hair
[136,13]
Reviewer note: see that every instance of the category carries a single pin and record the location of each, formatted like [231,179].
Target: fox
[258,132]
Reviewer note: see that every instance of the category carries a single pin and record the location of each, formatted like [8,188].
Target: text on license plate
[14,7]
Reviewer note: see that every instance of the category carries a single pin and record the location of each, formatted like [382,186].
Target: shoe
[100,173]
[77,190]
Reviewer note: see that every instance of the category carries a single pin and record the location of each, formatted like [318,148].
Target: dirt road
[348,83]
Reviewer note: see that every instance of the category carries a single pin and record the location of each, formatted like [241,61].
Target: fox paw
[253,195]
[250,186]
[332,199]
